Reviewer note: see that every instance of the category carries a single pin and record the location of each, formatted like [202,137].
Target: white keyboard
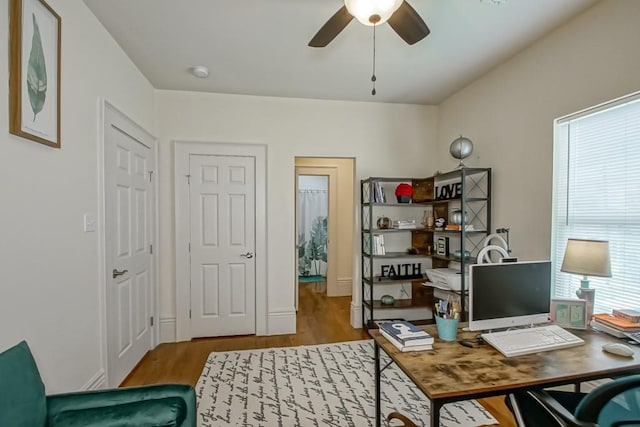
[517,342]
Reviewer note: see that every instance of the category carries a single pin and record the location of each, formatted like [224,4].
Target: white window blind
[596,195]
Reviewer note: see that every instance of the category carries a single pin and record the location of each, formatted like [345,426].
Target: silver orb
[461,148]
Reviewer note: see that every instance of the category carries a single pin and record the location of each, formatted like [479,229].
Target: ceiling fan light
[364,10]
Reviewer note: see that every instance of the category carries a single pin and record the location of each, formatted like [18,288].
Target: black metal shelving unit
[474,202]
[371,204]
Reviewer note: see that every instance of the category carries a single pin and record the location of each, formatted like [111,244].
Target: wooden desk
[451,372]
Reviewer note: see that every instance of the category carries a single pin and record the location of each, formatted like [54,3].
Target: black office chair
[616,403]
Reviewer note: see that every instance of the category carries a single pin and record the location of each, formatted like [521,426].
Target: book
[631,315]
[616,322]
[406,333]
[378,244]
[378,193]
[603,327]
[405,348]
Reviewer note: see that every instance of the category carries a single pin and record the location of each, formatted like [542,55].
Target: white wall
[49,291]
[509,112]
[385,139]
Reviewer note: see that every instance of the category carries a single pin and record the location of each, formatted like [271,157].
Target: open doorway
[333,260]
[312,221]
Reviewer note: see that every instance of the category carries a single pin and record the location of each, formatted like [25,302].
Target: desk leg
[376,356]
[435,413]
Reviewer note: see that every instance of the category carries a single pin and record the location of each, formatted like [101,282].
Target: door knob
[248,255]
[117,273]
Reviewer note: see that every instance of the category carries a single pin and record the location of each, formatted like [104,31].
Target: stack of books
[457,227]
[632,316]
[406,336]
[613,325]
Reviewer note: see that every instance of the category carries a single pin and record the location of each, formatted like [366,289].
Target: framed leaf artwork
[569,313]
[34,71]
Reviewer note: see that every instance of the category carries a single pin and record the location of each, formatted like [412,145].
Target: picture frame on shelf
[569,313]
[34,71]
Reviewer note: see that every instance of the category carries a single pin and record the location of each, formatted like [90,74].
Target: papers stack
[406,224]
[406,336]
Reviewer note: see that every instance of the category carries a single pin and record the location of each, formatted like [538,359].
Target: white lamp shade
[587,257]
[362,10]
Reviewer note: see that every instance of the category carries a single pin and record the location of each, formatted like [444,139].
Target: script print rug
[320,385]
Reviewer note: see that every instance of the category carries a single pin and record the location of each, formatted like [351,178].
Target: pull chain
[373,75]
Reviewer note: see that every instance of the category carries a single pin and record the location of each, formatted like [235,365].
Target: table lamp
[589,258]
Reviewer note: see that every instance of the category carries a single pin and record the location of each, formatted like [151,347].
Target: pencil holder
[447,328]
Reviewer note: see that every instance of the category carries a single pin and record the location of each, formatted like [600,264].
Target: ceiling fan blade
[408,24]
[331,28]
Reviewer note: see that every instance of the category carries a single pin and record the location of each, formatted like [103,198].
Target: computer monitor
[509,294]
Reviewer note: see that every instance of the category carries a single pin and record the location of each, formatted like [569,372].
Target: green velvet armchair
[23,402]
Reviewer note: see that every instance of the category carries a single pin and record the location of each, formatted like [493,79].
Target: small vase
[384,222]
[428,219]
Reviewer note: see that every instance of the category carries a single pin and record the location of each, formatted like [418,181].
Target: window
[596,195]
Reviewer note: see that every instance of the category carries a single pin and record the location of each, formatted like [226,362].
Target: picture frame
[569,313]
[34,71]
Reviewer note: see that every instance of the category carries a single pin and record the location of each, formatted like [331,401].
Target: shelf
[467,190]
[404,205]
[393,230]
[471,260]
[460,231]
[458,172]
[387,179]
[400,303]
[378,280]
[426,202]
[397,255]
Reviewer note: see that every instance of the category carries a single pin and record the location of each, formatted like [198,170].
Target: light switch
[89,222]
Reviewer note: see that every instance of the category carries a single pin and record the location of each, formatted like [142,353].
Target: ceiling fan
[403,18]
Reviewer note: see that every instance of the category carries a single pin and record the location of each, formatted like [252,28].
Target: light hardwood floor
[320,320]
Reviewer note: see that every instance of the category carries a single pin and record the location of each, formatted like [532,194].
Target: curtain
[312,232]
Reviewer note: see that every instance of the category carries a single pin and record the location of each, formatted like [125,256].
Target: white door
[222,244]
[129,212]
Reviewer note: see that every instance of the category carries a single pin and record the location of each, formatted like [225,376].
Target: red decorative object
[404,192]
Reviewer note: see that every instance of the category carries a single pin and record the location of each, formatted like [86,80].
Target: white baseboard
[343,288]
[356,315]
[281,323]
[167,330]
[98,382]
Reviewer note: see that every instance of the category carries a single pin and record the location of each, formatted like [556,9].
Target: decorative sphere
[461,148]
[387,299]
[455,217]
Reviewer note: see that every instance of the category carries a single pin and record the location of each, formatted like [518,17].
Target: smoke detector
[200,71]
